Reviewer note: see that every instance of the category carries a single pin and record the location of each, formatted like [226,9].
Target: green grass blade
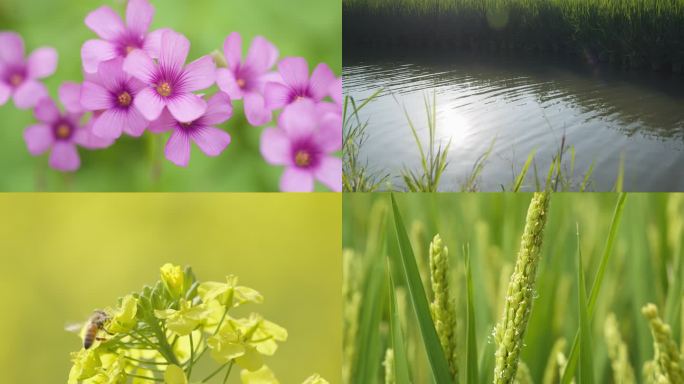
[586,363]
[365,367]
[401,362]
[621,174]
[408,267]
[521,177]
[471,373]
[596,287]
[587,177]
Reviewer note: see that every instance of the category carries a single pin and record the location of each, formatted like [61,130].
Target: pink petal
[329,136]
[149,104]
[70,96]
[93,52]
[42,63]
[199,74]
[174,51]
[275,147]
[38,138]
[255,110]
[232,49]
[152,43]
[322,79]
[64,157]
[139,65]
[5,92]
[219,109]
[186,107]
[94,97]
[178,148]
[226,82]
[297,180]
[212,141]
[87,139]
[139,14]
[135,123]
[335,92]
[299,119]
[105,22]
[295,72]
[164,123]
[262,55]
[111,75]
[11,48]
[276,95]
[29,93]
[46,111]
[110,124]
[329,172]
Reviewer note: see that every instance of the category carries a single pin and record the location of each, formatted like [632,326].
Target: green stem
[146,362]
[145,377]
[230,368]
[219,369]
[192,355]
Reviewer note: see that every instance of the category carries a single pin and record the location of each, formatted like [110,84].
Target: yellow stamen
[164,89]
[241,83]
[16,80]
[125,99]
[63,131]
[302,158]
[129,49]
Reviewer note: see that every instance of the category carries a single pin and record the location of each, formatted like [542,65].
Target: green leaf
[586,366]
[401,362]
[365,367]
[521,177]
[409,270]
[596,287]
[471,335]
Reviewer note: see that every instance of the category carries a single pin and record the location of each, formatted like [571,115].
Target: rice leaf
[521,177]
[411,277]
[401,362]
[471,334]
[586,366]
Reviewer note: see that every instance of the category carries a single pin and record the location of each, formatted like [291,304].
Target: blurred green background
[308,28]
[647,266]
[64,255]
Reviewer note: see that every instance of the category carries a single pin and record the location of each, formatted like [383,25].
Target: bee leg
[101,339]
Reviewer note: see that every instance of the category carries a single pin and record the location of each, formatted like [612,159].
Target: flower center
[16,79]
[164,89]
[241,83]
[129,49]
[125,99]
[302,158]
[63,131]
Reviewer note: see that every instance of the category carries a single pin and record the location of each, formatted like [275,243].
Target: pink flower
[211,140]
[303,142]
[117,39]
[19,77]
[112,92]
[296,83]
[335,92]
[247,79]
[168,84]
[61,132]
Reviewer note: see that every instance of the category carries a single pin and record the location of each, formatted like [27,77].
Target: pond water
[524,105]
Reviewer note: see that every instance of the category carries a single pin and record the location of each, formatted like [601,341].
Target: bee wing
[74,327]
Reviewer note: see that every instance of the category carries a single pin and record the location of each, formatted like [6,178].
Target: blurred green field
[645,267]
[64,255]
[315,34]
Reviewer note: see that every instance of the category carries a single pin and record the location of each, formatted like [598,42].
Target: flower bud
[173,278]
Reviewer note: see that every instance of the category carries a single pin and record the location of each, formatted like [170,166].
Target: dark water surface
[525,105]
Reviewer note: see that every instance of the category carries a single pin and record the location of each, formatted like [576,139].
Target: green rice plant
[356,176]
[433,159]
[630,250]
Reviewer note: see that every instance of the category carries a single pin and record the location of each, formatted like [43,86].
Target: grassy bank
[633,34]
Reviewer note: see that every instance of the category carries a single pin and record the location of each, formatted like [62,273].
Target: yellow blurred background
[64,255]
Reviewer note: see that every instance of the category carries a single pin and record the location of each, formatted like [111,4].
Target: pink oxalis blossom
[19,76]
[246,79]
[304,142]
[296,84]
[112,93]
[168,84]
[202,131]
[61,132]
[118,39]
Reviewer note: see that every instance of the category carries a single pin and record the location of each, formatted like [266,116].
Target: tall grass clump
[627,33]
[533,301]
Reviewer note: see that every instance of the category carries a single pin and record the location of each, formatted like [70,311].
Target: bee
[92,328]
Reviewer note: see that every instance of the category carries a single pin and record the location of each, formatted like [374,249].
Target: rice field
[513,288]
[633,34]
